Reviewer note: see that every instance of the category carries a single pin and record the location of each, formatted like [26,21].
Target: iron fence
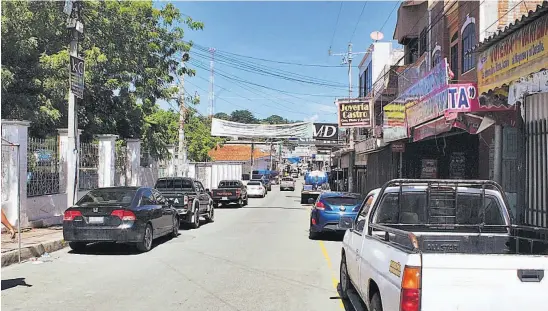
[121,164]
[88,164]
[43,166]
[145,159]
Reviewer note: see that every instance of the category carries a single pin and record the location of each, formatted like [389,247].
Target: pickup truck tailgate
[484,282]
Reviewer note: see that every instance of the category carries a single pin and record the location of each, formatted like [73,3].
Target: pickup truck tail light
[410,297]
[185,200]
[238,191]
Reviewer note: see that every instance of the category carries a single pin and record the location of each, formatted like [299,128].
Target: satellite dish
[376,35]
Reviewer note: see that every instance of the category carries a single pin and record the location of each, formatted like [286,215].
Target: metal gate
[11,179]
[536,161]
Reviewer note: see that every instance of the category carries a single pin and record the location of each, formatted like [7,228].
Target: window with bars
[468,41]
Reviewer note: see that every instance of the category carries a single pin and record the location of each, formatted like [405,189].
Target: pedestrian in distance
[8,225]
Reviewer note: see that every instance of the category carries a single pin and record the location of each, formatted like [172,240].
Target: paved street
[255,258]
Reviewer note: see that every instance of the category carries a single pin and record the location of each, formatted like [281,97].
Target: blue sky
[295,32]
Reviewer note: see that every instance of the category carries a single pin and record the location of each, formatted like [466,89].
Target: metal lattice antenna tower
[211,110]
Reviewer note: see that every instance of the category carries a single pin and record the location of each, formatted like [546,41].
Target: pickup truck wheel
[240,203]
[246,201]
[345,282]
[211,215]
[376,304]
[196,223]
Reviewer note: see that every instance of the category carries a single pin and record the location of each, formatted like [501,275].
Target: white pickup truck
[442,245]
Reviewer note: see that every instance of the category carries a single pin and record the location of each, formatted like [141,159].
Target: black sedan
[134,215]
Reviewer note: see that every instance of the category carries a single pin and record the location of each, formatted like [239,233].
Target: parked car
[255,188]
[287,183]
[189,197]
[329,208]
[230,191]
[120,214]
[442,245]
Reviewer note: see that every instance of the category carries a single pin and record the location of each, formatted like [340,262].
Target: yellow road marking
[330,265]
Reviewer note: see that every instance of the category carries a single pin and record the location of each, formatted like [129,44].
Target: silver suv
[287,183]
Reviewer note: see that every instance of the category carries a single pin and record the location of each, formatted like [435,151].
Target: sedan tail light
[124,214]
[70,215]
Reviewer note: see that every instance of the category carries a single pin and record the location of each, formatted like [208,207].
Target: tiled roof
[235,153]
[518,24]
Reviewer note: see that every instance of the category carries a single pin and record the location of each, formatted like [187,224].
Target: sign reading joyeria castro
[354,112]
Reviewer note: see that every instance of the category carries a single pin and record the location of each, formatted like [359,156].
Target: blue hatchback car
[328,210]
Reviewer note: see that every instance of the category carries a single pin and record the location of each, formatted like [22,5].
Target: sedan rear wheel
[146,244]
[175,232]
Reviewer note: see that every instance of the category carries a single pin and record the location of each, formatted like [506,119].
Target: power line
[271,70]
[270,60]
[253,91]
[392,12]
[259,71]
[359,20]
[336,25]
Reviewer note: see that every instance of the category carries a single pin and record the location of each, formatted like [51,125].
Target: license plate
[96,220]
[224,198]
[345,222]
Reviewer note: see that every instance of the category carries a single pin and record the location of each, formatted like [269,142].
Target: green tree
[199,139]
[222,116]
[275,119]
[131,49]
[243,116]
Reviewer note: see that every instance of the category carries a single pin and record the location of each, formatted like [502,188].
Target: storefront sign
[427,99]
[518,55]
[326,131]
[369,144]
[429,169]
[431,128]
[398,147]
[355,112]
[394,121]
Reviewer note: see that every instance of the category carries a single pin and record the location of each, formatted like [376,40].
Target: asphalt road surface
[254,258]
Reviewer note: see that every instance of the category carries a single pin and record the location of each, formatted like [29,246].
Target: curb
[32,251]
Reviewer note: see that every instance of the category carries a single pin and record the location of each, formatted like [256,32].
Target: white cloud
[312,118]
[324,108]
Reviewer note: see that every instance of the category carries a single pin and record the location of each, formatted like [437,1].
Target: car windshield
[254,183]
[229,184]
[116,196]
[342,200]
[288,179]
[175,184]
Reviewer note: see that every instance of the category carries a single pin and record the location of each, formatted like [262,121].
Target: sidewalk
[34,243]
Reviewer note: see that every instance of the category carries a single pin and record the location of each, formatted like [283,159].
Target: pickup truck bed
[447,257]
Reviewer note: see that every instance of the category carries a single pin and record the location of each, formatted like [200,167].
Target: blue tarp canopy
[294,160]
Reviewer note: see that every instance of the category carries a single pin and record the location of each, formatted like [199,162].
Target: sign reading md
[354,112]
[326,131]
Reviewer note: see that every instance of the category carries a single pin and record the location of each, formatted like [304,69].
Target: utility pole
[211,83]
[347,60]
[182,154]
[75,26]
